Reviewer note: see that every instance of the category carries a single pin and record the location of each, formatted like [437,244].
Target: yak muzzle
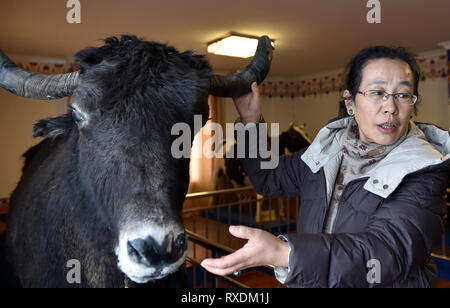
[149,252]
[152,252]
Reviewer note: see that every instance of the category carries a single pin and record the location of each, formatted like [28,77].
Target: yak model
[102,188]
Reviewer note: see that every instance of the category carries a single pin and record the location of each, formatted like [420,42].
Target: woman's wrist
[280,255]
[254,120]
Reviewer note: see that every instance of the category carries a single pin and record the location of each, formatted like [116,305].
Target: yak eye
[76,115]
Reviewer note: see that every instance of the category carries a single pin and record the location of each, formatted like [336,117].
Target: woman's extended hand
[249,105]
[261,249]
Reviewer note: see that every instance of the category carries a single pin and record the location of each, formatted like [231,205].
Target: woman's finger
[225,265]
[228,261]
[242,232]
[226,271]
[255,90]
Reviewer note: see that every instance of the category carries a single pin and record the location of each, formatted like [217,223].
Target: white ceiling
[312,36]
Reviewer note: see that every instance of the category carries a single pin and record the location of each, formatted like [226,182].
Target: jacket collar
[426,145]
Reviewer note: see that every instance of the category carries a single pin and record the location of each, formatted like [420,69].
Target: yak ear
[86,58]
[53,127]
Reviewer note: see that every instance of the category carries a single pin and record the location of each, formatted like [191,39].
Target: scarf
[358,159]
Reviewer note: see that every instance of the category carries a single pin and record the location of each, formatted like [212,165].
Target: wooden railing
[207,231]
[448,194]
[4,206]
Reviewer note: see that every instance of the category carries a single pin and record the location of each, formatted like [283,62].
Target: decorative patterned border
[45,68]
[302,88]
[432,68]
[4,205]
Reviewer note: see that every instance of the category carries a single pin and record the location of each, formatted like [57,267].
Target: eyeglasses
[377,96]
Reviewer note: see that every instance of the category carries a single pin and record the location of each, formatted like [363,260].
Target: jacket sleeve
[400,236]
[284,176]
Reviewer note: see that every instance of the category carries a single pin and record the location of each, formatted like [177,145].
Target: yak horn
[240,83]
[36,86]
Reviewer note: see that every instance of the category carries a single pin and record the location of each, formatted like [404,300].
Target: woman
[371,186]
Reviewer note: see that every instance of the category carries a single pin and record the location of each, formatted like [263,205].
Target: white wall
[17,117]
[434,107]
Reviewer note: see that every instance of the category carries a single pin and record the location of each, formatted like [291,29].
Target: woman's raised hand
[249,105]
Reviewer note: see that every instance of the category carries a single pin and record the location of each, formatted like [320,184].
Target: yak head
[126,97]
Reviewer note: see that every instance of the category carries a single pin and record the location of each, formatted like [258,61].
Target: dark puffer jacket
[394,216]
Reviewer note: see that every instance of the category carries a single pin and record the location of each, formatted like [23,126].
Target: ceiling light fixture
[235,45]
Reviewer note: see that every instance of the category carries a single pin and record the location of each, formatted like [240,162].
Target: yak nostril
[133,253]
[144,251]
[180,242]
[149,252]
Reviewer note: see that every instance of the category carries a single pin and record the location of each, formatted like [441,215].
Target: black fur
[289,140]
[7,277]
[53,127]
[87,179]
